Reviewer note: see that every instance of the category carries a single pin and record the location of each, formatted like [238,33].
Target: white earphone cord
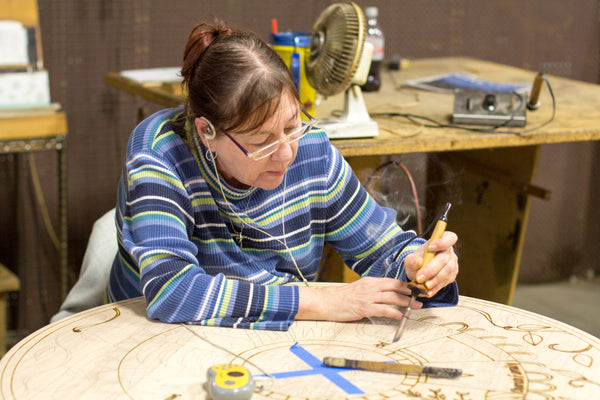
[284,242]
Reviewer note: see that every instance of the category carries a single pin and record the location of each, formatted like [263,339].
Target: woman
[224,200]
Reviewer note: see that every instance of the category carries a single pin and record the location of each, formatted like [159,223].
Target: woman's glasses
[273,147]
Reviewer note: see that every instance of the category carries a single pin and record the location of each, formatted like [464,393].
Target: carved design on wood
[115,351]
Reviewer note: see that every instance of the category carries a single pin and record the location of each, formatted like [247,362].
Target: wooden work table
[576,117]
[487,176]
[577,112]
[116,352]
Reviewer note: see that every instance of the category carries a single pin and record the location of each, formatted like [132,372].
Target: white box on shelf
[24,89]
[13,43]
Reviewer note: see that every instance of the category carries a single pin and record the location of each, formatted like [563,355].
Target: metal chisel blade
[415,291]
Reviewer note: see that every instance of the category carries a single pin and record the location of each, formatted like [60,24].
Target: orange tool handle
[438,231]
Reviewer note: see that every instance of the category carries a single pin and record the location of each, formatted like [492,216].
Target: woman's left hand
[441,270]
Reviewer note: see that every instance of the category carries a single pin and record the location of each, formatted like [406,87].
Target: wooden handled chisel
[391,367]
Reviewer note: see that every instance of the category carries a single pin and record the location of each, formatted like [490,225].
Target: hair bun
[200,38]
[221,30]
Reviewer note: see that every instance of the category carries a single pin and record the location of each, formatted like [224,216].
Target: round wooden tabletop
[115,351]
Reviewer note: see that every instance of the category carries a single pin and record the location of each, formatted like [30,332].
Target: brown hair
[233,78]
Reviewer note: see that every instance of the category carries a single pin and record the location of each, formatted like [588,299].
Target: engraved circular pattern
[115,351]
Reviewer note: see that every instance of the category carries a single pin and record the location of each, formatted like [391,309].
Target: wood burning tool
[533,103]
[392,367]
[417,289]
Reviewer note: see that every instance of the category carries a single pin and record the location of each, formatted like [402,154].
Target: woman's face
[240,170]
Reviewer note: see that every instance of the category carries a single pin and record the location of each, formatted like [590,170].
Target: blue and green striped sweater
[175,231]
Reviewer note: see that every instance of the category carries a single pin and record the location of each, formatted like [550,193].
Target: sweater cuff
[266,307]
[280,307]
[448,296]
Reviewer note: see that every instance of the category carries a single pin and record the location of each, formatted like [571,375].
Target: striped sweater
[176,232]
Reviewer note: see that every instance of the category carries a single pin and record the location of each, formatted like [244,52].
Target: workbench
[115,351]
[487,176]
[23,132]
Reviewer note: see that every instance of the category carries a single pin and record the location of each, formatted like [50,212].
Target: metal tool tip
[400,329]
[443,372]
[445,211]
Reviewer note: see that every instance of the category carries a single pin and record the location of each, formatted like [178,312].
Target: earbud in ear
[210,132]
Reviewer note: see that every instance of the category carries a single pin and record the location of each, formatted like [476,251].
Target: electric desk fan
[339,61]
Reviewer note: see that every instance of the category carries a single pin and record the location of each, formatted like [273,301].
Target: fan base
[342,129]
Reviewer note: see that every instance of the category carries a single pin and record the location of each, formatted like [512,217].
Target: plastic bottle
[375,37]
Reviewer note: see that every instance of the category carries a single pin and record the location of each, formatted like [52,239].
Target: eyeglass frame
[306,127]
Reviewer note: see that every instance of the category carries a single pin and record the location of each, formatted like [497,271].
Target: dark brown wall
[82,40]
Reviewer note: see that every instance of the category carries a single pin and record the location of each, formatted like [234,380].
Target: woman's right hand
[366,297]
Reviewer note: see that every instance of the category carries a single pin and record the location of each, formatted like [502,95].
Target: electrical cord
[421,234]
[38,258]
[381,169]
[431,123]
[43,208]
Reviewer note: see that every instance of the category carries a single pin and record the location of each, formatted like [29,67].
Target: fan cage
[336,48]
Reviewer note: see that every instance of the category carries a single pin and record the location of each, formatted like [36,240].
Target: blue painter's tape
[317,368]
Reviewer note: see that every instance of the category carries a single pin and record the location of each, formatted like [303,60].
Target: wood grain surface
[116,352]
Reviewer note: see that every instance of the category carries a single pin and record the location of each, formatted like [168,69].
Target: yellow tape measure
[229,382]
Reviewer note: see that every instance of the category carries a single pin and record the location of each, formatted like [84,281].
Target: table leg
[62,215]
[21,177]
[489,215]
